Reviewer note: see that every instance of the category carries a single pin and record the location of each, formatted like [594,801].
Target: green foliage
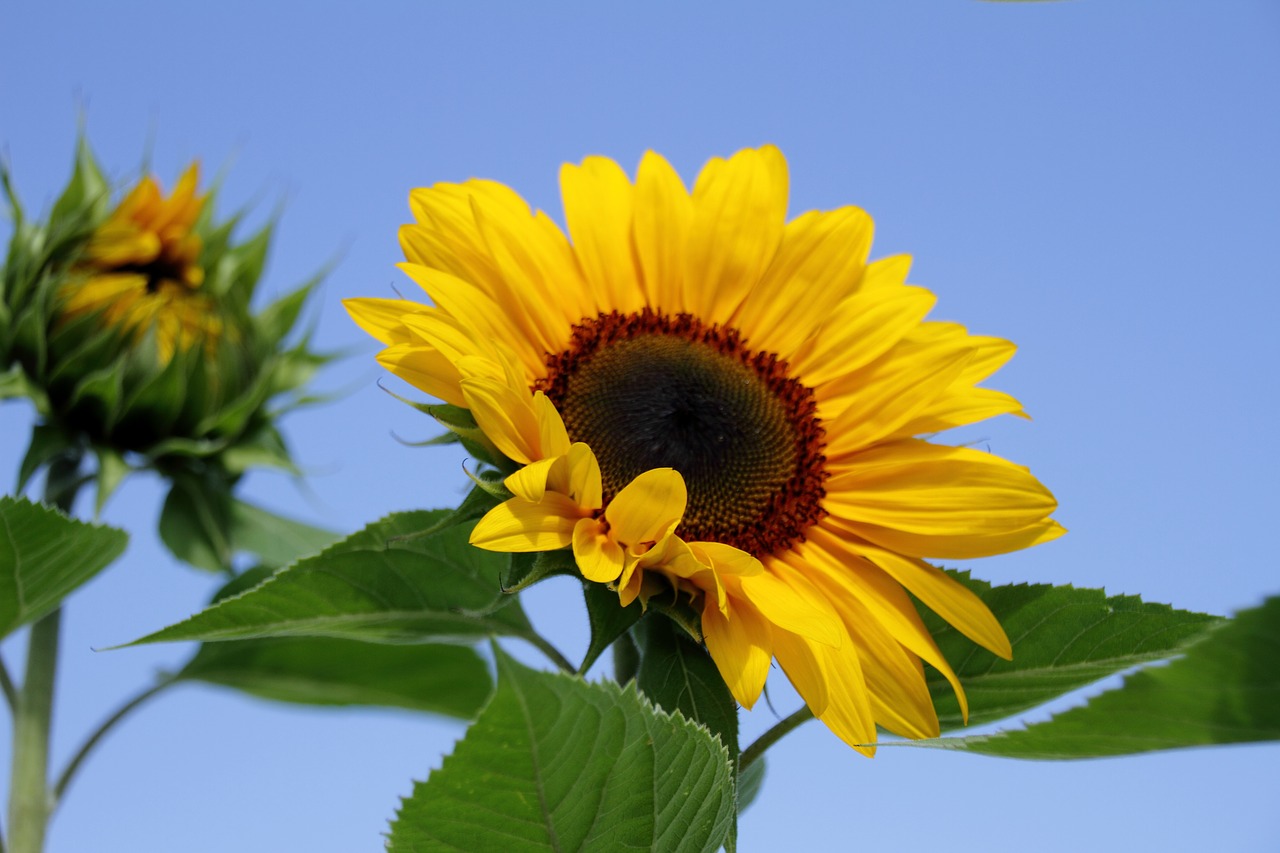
[1224,689]
[442,679]
[205,414]
[555,763]
[407,578]
[1063,638]
[44,556]
[609,620]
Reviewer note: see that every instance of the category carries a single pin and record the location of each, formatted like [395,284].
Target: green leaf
[750,781]
[677,674]
[44,555]
[555,763]
[434,677]
[402,579]
[274,539]
[609,620]
[1063,638]
[1225,689]
[195,523]
[87,192]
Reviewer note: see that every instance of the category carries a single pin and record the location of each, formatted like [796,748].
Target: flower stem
[772,736]
[72,766]
[626,659]
[29,801]
[30,804]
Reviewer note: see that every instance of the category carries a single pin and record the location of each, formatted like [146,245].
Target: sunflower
[140,270]
[698,395]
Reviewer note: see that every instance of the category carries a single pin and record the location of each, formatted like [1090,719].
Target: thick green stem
[626,659]
[769,738]
[29,802]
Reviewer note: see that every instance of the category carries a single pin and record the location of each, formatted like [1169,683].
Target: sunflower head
[704,401]
[128,323]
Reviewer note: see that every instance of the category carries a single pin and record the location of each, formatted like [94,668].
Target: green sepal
[528,569]
[609,620]
[86,195]
[48,442]
[112,469]
[195,522]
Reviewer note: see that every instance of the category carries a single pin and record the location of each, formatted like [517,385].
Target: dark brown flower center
[651,390]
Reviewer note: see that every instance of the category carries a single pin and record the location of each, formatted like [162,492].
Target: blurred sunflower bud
[128,324]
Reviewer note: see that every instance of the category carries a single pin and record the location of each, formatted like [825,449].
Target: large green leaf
[1225,689]
[1063,638]
[402,579]
[274,539]
[444,679]
[557,764]
[436,677]
[44,556]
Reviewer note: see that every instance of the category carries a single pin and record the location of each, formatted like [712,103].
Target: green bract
[198,414]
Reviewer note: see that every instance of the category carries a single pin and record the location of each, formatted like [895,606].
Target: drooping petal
[599,557]
[741,646]
[649,507]
[520,526]
[425,369]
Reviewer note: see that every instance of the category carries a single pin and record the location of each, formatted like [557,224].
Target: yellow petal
[520,525]
[425,369]
[599,558]
[530,482]
[381,318]
[506,416]
[648,508]
[739,209]
[943,595]
[585,484]
[937,491]
[741,647]
[861,329]
[597,209]
[793,603]
[842,574]
[553,438]
[663,210]
[885,395]
[802,668]
[848,714]
[818,263]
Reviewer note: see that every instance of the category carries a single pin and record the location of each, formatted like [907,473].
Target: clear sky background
[1097,181]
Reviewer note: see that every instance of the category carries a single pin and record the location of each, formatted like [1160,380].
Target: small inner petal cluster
[140,270]
[699,395]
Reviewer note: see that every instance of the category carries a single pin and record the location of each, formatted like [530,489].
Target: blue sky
[1095,181]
